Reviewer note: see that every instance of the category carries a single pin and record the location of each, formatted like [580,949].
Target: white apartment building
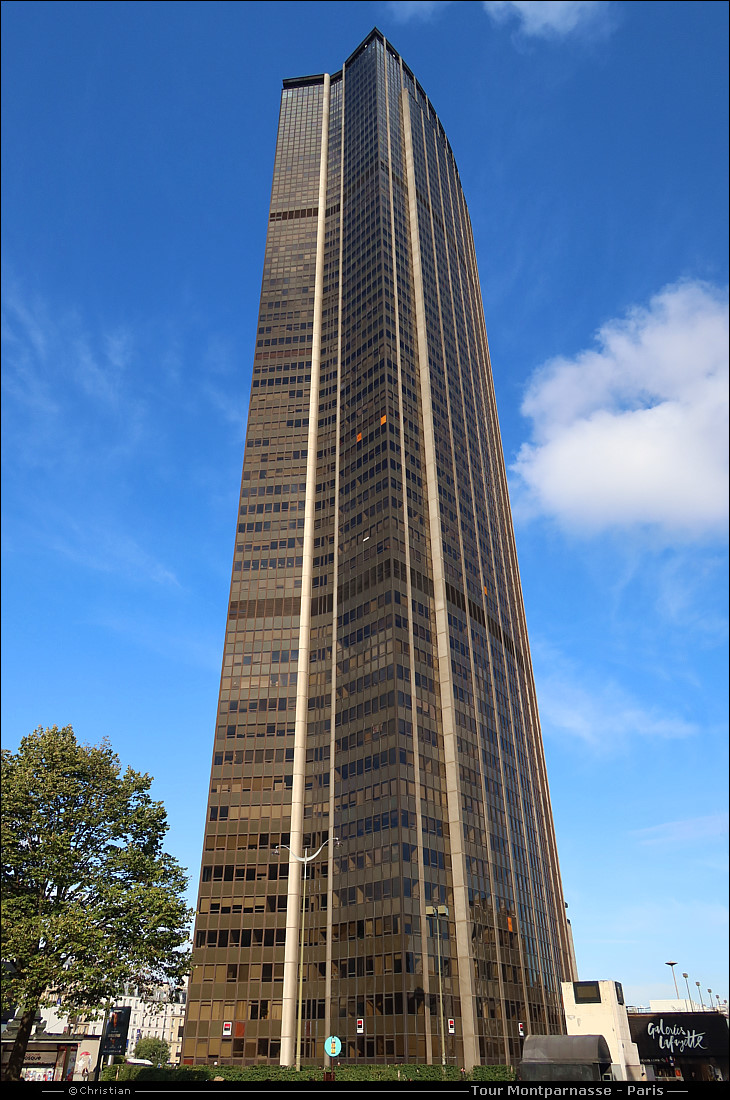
[160,1016]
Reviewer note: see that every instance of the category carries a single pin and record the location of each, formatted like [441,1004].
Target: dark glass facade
[377,684]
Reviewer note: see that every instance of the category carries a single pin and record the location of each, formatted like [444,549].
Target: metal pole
[441,988]
[301,963]
[676,990]
[691,1005]
[97,1067]
[700,993]
[304,860]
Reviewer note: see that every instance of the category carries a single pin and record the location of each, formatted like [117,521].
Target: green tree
[90,899]
[155,1050]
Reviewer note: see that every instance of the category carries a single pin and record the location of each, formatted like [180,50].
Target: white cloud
[597,712]
[634,431]
[687,585]
[628,940]
[103,549]
[534,18]
[161,634]
[404,11]
[88,534]
[696,830]
[548,18]
[604,720]
[65,386]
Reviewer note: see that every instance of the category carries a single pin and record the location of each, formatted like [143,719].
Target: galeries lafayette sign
[684,1034]
[674,1037]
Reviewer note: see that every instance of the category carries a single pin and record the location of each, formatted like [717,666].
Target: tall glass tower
[377,685]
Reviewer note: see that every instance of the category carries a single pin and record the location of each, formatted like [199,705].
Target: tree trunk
[17,1054]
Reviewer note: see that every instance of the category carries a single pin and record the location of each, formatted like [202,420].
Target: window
[586,993]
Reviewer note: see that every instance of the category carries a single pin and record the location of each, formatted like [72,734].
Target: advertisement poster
[115,1033]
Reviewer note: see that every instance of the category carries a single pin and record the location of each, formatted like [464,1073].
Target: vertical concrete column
[329,1027]
[293,909]
[466,986]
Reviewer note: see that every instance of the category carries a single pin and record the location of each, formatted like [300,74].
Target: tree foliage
[155,1050]
[90,899]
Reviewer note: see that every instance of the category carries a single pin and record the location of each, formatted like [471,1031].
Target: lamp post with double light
[436,912]
[304,860]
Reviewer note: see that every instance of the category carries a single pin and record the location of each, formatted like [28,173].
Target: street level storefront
[57,1057]
[691,1046]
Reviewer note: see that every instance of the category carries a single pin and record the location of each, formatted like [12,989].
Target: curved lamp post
[673,964]
[304,860]
[437,912]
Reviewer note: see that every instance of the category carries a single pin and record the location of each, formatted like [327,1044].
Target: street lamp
[304,860]
[673,964]
[700,993]
[437,912]
[685,975]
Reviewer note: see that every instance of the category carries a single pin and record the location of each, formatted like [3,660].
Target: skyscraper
[377,685]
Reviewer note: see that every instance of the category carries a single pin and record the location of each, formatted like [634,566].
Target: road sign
[332,1046]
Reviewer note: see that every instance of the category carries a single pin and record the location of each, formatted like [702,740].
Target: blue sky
[591,139]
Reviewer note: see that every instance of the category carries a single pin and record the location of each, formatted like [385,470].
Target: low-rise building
[160,1016]
[598,1008]
[52,1057]
[685,1046]
[670,1041]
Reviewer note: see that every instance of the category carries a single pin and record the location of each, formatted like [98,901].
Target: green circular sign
[332,1046]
